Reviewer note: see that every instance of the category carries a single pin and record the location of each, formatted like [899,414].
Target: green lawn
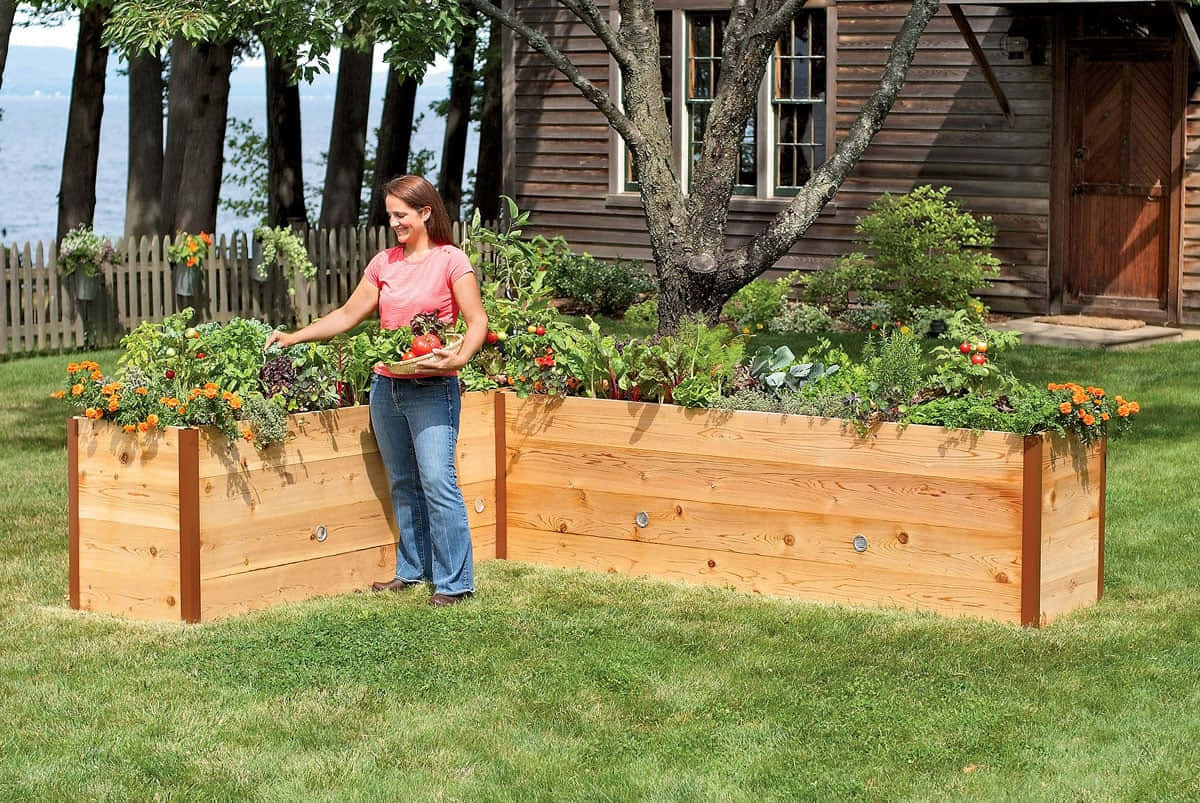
[568,685]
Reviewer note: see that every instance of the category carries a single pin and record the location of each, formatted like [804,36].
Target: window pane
[701,36]
[702,80]
[800,100]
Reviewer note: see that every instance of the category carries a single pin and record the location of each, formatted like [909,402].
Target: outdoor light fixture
[1015,46]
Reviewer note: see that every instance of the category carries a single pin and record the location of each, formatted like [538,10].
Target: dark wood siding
[1189,295]
[945,129]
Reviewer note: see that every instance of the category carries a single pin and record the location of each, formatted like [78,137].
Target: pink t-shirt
[408,289]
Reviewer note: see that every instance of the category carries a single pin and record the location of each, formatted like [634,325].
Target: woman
[415,418]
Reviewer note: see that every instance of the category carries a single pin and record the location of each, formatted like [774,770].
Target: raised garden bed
[178,525]
[982,524]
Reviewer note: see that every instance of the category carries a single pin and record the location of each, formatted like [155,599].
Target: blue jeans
[416,426]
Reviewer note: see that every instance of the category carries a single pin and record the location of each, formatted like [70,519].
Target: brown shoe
[394,585]
[438,600]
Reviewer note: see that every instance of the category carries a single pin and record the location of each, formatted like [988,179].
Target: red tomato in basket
[424,344]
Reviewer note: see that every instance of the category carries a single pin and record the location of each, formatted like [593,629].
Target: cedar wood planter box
[983,524]
[179,527]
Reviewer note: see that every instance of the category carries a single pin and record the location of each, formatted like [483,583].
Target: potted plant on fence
[283,247]
[187,254]
[84,255]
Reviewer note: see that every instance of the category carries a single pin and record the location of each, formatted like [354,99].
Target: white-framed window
[791,132]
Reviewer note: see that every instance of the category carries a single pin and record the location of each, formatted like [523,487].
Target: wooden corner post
[1031,532]
[73,511]
[501,478]
[189,524]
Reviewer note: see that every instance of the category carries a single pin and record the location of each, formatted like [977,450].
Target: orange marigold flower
[163,400]
[226,395]
[235,403]
[141,391]
[193,393]
[190,261]
[129,427]
[1082,414]
[1078,397]
[210,394]
[182,409]
[76,390]
[206,237]
[192,245]
[211,386]
[1089,419]
[1123,411]
[172,402]
[143,427]
[248,435]
[1052,386]
[97,376]
[1065,407]
[1135,408]
[72,367]
[1120,399]
[1098,392]
[1105,416]
[58,394]
[152,420]
[90,412]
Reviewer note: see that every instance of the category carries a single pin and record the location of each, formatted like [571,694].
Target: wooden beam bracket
[964,27]
[1184,18]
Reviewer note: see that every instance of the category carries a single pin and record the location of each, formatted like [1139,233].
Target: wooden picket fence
[40,314]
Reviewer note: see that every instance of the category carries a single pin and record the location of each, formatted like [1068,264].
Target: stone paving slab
[1035,333]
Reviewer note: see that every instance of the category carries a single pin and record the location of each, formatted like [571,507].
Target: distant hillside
[48,70]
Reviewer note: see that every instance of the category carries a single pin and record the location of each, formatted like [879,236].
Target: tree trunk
[182,90]
[8,10]
[143,194]
[490,162]
[458,120]
[285,161]
[204,157]
[395,137]
[340,205]
[81,154]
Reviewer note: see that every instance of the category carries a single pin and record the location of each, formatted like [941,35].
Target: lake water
[33,133]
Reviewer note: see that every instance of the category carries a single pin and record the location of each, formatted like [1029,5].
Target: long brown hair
[417,192]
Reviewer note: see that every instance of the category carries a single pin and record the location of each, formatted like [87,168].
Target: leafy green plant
[85,251]
[500,255]
[754,306]
[190,249]
[780,372]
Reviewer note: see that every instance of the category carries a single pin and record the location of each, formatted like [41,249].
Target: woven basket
[453,343]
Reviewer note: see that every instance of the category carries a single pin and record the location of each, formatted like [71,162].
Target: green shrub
[643,315]
[854,278]
[757,303]
[922,250]
[592,285]
[802,319]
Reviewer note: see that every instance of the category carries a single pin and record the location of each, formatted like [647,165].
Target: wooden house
[1074,125]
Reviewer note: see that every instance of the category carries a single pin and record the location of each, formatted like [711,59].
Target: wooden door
[1122,124]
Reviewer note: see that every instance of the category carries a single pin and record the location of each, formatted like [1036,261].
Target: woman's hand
[278,338]
[443,363]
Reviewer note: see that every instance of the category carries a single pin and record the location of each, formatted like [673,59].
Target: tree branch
[795,219]
[596,96]
[590,14]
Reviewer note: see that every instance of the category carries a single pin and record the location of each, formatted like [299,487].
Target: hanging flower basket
[87,286]
[187,280]
[188,255]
